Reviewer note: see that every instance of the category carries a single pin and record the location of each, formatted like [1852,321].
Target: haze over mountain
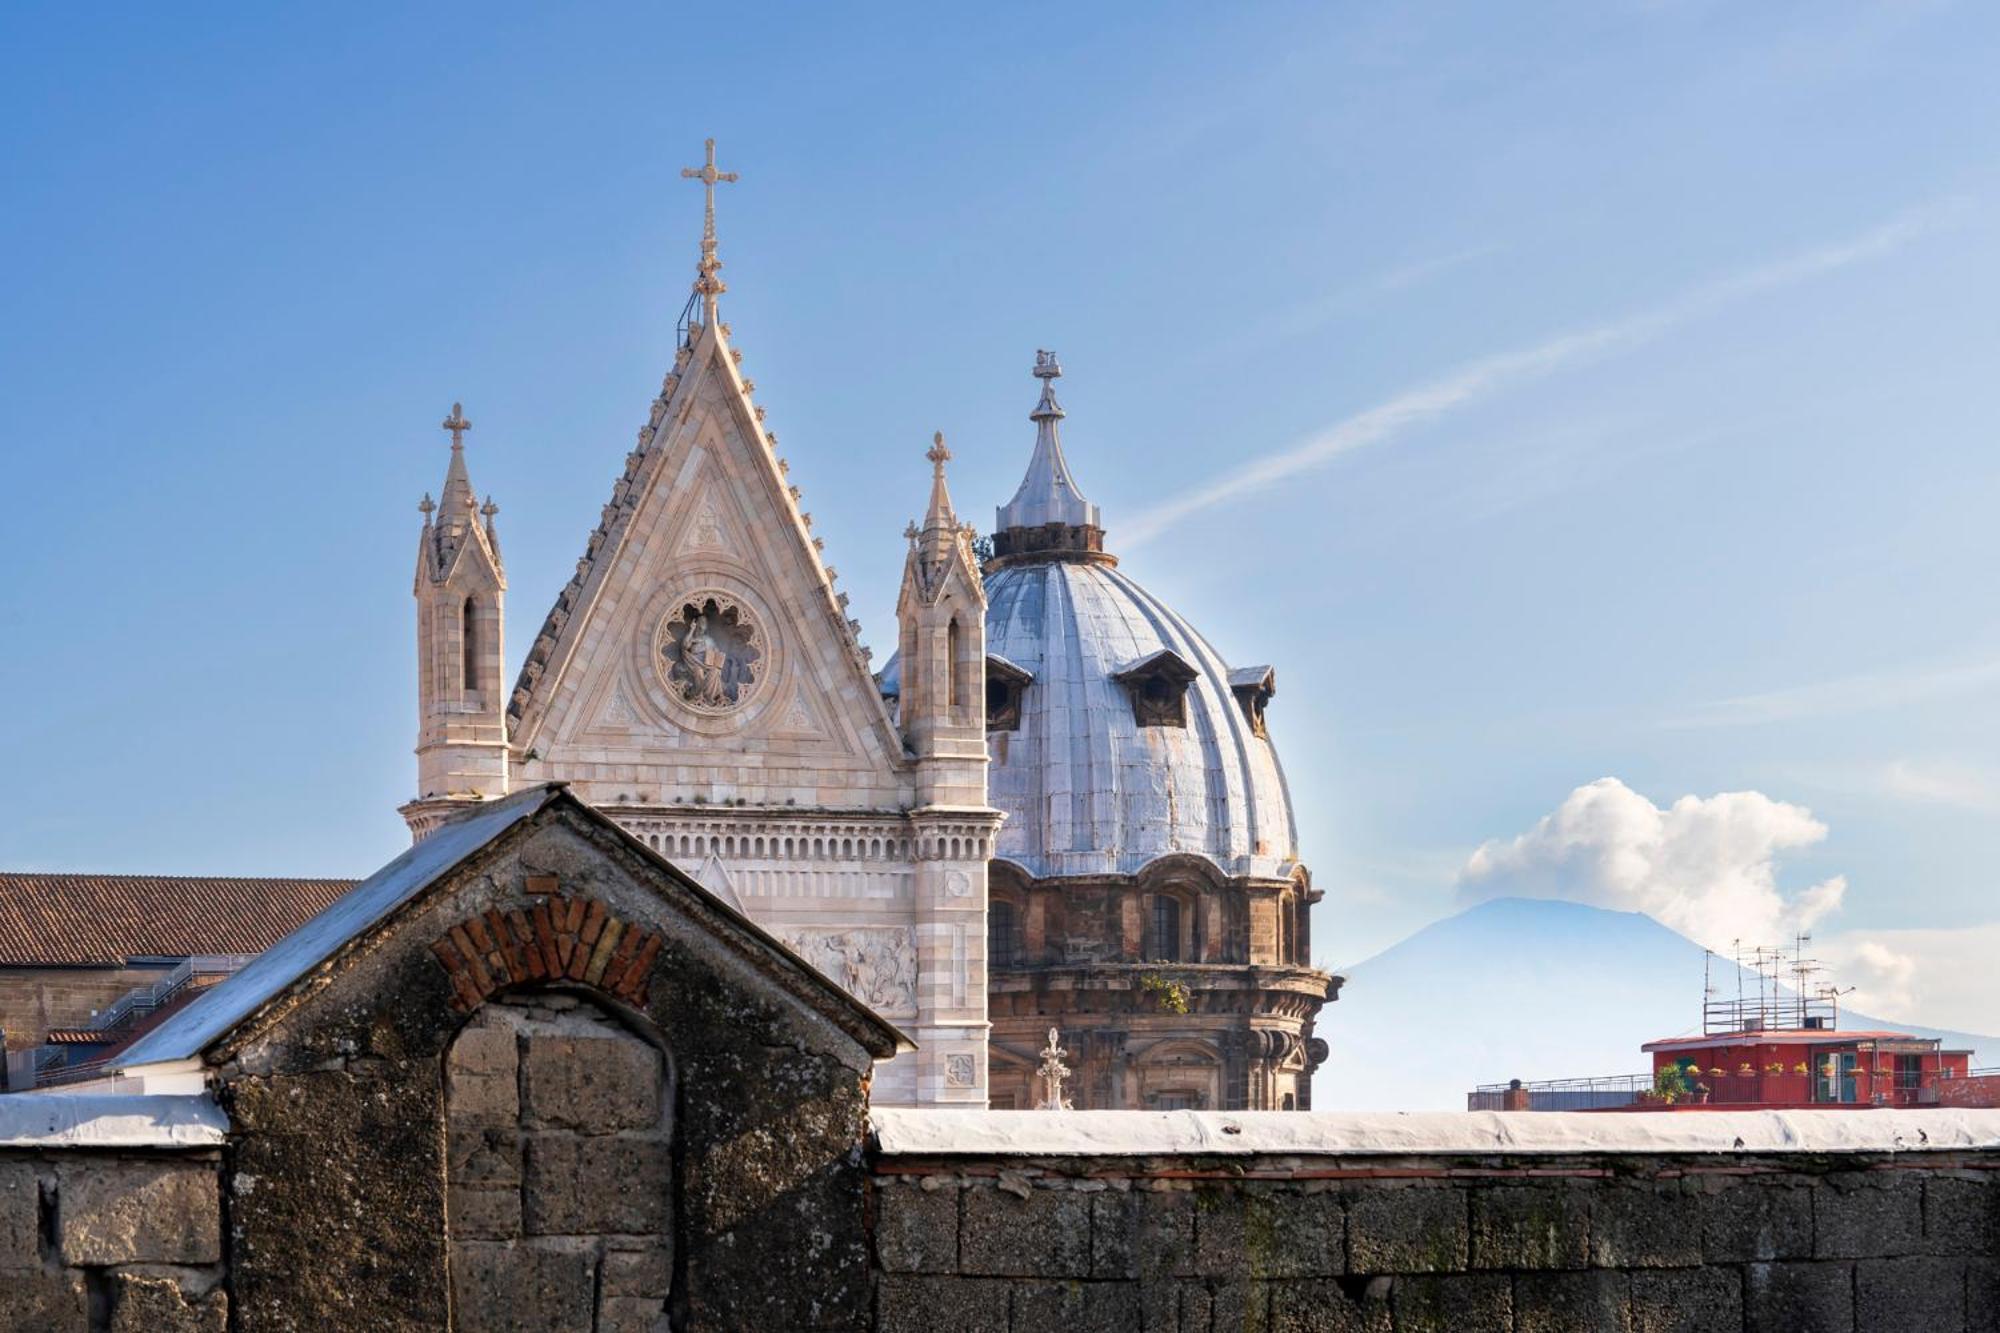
[1522,988]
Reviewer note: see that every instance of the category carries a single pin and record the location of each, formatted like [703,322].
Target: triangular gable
[356,917]
[703,495]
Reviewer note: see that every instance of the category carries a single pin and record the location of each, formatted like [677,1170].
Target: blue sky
[1552,392]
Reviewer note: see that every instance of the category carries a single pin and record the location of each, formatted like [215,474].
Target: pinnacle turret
[1048,492]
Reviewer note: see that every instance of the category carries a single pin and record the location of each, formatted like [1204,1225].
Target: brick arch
[560,939]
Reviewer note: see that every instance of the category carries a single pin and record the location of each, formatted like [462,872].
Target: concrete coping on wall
[905,1132]
[98,1120]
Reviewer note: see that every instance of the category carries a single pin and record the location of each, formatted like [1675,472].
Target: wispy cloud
[1846,694]
[1482,378]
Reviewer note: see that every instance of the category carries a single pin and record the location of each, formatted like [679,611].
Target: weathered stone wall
[111,1242]
[339,1176]
[1720,1243]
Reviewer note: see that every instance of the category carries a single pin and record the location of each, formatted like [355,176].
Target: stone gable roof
[103,920]
[363,911]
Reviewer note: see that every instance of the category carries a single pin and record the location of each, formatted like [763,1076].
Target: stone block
[522,1288]
[480,1076]
[1044,1235]
[479,1213]
[1921,1293]
[1454,1303]
[1077,1307]
[20,1217]
[646,1272]
[1142,1233]
[486,1155]
[1756,1223]
[1291,1233]
[1961,1216]
[916,1230]
[631,1314]
[1982,1296]
[137,1212]
[1408,1229]
[1686,1300]
[1530,1226]
[594,1185]
[594,1084]
[1597,1302]
[1644,1226]
[1794,1297]
[1325,1305]
[44,1302]
[151,1303]
[1868,1215]
[935,1304]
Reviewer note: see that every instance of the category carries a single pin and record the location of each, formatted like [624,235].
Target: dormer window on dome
[1158,684]
[1253,687]
[1005,684]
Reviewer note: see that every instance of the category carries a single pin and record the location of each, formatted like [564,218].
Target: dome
[1088,790]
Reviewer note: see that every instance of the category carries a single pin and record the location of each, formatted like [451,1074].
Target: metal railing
[48,1066]
[1564,1094]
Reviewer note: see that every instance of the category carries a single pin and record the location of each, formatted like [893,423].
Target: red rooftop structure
[1773,1045]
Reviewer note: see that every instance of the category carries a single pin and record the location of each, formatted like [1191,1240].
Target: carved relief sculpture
[875,964]
[709,653]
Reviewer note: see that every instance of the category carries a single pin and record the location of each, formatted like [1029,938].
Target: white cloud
[1705,866]
[1932,976]
[1482,378]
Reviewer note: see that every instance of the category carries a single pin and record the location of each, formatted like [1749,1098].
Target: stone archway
[559,1202]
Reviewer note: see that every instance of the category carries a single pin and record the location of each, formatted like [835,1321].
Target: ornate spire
[939,532]
[457,503]
[1052,1072]
[707,284]
[1048,493]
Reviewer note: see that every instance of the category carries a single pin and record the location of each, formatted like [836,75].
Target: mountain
[1523,988]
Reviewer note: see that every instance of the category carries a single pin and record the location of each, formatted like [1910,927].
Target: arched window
[1003,938]
[469,643]
[956,667]
[1163,943]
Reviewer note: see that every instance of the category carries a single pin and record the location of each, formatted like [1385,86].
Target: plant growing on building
[1169,993]
[1669,1084]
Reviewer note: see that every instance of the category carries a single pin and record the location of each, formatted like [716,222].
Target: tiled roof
[58,920]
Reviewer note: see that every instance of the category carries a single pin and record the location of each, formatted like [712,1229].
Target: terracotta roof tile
[81,920]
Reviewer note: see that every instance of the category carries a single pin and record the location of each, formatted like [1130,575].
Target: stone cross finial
[1052,1072]
[457,425]
[489,509]
[426,506]
[708,284]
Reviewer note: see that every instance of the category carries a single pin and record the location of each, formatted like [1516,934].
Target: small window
[1165,944]
[469,644]
[1003,943]
[1158,685]
[1180,1099]
[1006,686]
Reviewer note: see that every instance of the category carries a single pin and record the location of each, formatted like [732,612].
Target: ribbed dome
[1087,790]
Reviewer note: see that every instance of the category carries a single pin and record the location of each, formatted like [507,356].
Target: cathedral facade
[699,681]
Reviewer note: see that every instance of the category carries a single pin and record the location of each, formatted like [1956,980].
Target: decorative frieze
[875,964]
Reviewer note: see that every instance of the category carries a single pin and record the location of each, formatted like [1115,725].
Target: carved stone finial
[1052,1073]
[489,509]
[426,506]
[937,453]
[457,425]
[910,531]
[707,284]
